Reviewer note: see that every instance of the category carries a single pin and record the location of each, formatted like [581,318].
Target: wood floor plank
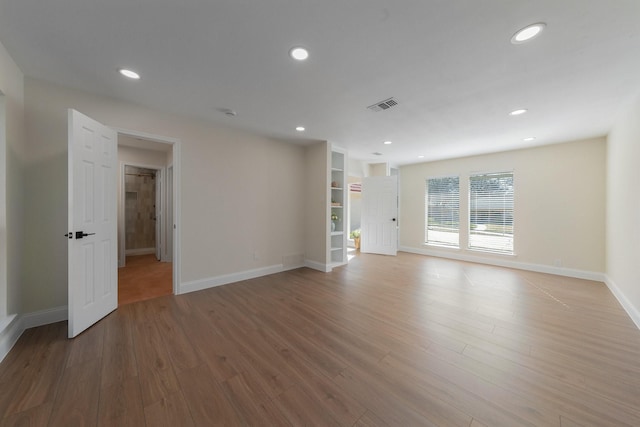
[255,406]
[121,404]
[87,346]
[158,384]
[384,341]
[40,377]
[77,397]
[390,408]
[179,347]
[118,357]
[169,411]
[343,407]
[206,399]
[369,419]
[34,417]
[217,351]
[302,410]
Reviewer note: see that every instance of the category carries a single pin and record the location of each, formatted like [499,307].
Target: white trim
[10,331]
[177,196]
[325,268]
[45,317]
[211,282]
[558,271]
[12,327]
[145,135]
[632,311]
[141,251]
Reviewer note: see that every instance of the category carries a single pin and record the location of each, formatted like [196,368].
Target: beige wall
[623,210]
[12,149]
[317,206]
[559,204]
[378,169]
[242,195]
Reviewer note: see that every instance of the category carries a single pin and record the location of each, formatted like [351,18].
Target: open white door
[92,170]
[159,214]
[379,215]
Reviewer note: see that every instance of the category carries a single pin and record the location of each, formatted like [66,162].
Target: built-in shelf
[337,241]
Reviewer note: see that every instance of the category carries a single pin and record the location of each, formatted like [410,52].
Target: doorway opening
[145,219]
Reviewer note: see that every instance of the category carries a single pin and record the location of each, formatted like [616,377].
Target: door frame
[175,186]
[122,233]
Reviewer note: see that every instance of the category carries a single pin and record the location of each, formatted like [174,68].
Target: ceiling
[448,63]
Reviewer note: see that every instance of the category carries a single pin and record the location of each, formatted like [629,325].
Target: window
[491,212]
[443,211]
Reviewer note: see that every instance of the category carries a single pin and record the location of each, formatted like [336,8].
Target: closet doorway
[145,229]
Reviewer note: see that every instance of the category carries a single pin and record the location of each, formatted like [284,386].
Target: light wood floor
[144,277]
[405,341]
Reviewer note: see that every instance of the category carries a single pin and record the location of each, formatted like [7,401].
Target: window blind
[442,211]
[491,212]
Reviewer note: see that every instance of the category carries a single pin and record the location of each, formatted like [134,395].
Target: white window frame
[492,238]
[442,242]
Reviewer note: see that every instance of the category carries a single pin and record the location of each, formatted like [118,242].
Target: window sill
[489,252]
[437,246]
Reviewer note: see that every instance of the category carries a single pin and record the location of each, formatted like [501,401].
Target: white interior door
[92,175]
[159,214]
[168,239]
[379,215]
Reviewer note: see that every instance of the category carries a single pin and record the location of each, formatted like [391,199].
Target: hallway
[144,278]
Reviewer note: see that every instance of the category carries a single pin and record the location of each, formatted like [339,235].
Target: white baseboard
[142,251]
[631,310]
[325,268]
[210,282]
[539,268]
[12,327]
[10,331]
[45,317]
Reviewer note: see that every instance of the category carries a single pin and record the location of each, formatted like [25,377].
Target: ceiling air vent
[383,105]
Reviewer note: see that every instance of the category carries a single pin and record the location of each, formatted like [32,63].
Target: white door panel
[92,246]
[379,215]
[159,214]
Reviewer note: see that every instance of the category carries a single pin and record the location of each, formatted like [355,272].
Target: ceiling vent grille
[383,105]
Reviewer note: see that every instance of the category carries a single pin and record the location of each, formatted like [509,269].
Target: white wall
[559,205]
[12,153]
[623,211]
[242,195]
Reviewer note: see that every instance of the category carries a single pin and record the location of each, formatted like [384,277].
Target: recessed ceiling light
[531,138]
[527,33]
[518,112]
[300,128]
[421,156]
[299,53]
[129,73]
[388,142]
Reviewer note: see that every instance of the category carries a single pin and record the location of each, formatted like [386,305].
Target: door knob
[393,219]
[80,234]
